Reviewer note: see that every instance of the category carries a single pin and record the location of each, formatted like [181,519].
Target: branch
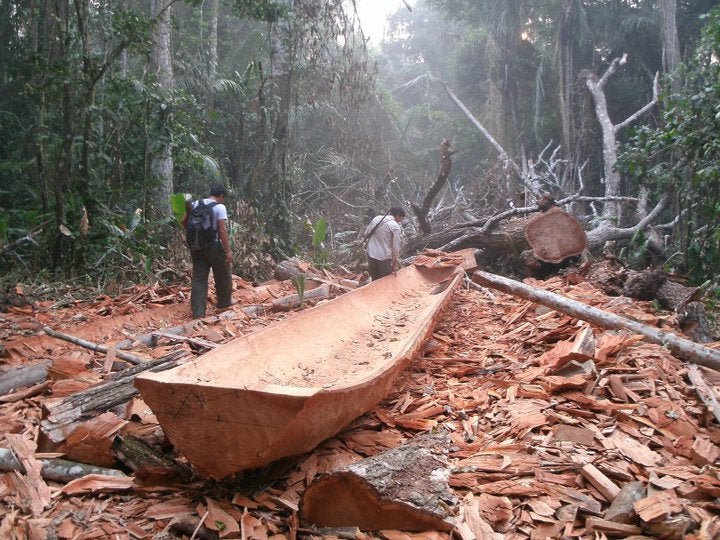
[94,346]
[611,70]
[679,347]
[646,108]
[27,238]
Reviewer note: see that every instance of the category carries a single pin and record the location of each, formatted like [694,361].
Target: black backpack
[201,227]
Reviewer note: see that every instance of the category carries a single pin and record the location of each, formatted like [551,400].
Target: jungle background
[110,111]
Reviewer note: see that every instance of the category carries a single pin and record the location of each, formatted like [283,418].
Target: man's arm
[224,239]
[395,247]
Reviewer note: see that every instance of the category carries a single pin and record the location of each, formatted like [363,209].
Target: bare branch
[646,108]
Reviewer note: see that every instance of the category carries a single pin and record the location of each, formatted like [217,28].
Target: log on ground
[405,488]
[682,348]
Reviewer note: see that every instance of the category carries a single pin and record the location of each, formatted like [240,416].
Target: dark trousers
[378,269]
[211,258]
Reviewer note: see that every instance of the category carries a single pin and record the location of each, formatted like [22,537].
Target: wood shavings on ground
[557,429]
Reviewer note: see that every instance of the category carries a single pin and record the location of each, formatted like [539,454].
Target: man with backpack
[383,243]
[207,235]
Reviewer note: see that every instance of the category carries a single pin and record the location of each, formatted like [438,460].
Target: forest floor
[542,441]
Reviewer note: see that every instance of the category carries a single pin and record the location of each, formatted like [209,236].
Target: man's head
[397,213]
[218,192]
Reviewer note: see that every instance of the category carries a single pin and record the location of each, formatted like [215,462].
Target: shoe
[220,309]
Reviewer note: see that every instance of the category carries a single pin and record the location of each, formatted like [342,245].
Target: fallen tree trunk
[294,300]
[682,348]
[405,488]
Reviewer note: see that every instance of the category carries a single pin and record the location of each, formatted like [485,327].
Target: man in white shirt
[383,249]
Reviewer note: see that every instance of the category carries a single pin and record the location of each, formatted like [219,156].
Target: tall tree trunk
[212,13]
[282,55]
[61,171]
[565,48]
[670,40]
[612,210]
[38,26]
[161,165]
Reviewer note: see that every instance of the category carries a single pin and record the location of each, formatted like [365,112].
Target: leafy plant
[299,284]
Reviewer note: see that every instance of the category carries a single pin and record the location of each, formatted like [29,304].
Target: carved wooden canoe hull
[283,389]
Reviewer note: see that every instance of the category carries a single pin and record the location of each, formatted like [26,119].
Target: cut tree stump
[405,488]
[555,235]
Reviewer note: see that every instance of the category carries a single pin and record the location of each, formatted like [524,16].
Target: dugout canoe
[281,390]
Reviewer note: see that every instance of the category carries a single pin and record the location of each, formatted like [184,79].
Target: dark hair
[217,191]
[396,211]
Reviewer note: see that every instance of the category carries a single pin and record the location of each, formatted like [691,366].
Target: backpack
[201,227]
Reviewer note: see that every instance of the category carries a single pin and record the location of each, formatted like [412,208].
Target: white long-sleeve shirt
[384,244]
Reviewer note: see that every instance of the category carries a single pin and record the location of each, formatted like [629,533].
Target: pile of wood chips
[557,429]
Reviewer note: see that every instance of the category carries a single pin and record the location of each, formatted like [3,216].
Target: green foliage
[682,156]
[178,202]
[319,232]
[4,225]
[299,284]
[261,10]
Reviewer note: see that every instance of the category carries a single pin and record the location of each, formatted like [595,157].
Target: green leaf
[177,201]
[320,231]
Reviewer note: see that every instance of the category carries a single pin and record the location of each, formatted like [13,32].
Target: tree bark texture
[97,399]
[56,470]
[670,40]
[23,376]
[160,186]
[405,488]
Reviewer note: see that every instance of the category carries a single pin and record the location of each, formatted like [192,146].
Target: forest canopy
[110,108]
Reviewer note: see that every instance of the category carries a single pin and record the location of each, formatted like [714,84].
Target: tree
[682,155]
[160,182]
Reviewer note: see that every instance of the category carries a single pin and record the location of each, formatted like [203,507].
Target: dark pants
[203,261]
[379,269]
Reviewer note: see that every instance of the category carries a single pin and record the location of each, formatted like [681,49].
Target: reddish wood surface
[281,390]
[555,235]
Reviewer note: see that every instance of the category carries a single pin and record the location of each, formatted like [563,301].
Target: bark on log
[137,454]
[682,348]
[76,407]
[56,470]
[133,359]
[23,376]
[405,488]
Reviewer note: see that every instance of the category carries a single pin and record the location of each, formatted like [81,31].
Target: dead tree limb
[28,238]
[680,347]
[421,212]
[56,470]
[133,359]
[596,86]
